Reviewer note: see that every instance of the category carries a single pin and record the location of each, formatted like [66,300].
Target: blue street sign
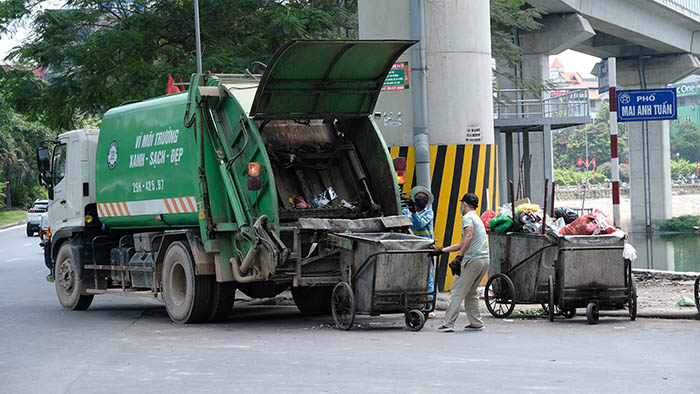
[647,104]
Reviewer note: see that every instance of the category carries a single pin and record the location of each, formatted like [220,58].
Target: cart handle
[538,251]
[375,254]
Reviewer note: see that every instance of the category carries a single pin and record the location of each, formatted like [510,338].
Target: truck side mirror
[43,163]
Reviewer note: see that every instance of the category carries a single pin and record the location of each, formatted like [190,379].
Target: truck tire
[69,287]
[221,301]
[313,301]
[186,295]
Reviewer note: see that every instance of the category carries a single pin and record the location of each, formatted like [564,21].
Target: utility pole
[196,36]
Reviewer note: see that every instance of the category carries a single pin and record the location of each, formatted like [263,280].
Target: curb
[12,224]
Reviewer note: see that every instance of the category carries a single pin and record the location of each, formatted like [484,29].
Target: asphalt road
[124,345]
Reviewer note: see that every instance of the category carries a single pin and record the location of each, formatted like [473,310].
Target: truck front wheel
[69,286]
[186,295]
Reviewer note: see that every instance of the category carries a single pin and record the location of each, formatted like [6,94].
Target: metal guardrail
[686,7]
[558,103]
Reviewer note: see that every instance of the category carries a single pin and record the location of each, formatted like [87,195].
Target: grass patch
[680,224]
[7,217]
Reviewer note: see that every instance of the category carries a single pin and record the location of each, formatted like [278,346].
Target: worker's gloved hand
[456,265]
[437,251]
[411,205]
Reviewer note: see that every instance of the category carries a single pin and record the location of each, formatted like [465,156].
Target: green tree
[570,144]
[18,139]
[508,16]
[687,142]
[100,54]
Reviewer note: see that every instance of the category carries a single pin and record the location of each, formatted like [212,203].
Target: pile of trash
[529,218]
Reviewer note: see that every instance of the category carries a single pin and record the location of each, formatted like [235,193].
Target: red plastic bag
[486,217]
[604,225]
[584,225]
[590,224]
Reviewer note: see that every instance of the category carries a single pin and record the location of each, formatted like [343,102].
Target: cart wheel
[502,302]
[343,306]
[592,313]
[569,313]
[415,320]
[697,295]
[632,302]
[550,308]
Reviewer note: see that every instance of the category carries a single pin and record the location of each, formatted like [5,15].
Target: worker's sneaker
[445,329]
[472,328]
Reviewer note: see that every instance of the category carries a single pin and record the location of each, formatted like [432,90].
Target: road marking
[29,243]
[15,259]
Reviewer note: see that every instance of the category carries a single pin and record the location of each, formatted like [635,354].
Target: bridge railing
[558,103]
[688,7]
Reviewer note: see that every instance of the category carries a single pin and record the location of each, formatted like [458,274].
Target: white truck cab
[72,178]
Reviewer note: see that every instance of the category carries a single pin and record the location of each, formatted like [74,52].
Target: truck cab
[69,173]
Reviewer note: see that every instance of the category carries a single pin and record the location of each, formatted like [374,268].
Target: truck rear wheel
[186,295]
[312,301]
[221,302]
[69,286]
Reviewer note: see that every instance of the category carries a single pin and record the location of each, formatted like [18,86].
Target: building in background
[688,94]
[574,80]
[36,70]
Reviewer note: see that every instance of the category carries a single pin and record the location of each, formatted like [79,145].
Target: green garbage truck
[243,182]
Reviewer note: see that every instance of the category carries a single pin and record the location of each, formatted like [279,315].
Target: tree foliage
[508,16]
[570,144]
[18,139]
[687,142]
[682,167]
[100,54]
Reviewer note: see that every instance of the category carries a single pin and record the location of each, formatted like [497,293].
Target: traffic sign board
[603,81]
[647,104]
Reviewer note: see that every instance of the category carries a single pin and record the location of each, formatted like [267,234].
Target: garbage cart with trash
[383,273]
[563,267]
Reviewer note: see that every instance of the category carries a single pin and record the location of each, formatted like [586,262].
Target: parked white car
[34,214]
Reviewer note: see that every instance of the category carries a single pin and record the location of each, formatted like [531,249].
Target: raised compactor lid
[325,79]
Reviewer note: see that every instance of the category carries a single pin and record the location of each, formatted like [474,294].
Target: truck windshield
[59,163]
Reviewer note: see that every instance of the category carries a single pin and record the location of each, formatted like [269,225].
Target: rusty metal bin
[384,273]
[591,273]
[527,259]
[564,273]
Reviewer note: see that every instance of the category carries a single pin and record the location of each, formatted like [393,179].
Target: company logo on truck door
[148,207]
[112,155]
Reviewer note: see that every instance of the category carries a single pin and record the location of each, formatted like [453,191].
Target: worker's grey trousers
[464,289]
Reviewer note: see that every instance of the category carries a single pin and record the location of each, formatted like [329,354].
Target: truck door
[66,206]
[57,205]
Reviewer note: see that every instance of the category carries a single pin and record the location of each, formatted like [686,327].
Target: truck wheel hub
[66,276]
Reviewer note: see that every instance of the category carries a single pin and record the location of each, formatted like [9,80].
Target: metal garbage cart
[520,264]
[383,273]
[564,273]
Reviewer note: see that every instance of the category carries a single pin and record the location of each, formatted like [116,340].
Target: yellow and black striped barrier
[454,171]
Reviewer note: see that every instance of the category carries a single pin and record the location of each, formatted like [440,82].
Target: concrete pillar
[659,173]
[459,101]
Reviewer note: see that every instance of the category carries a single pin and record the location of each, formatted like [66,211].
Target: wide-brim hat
[422,189]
